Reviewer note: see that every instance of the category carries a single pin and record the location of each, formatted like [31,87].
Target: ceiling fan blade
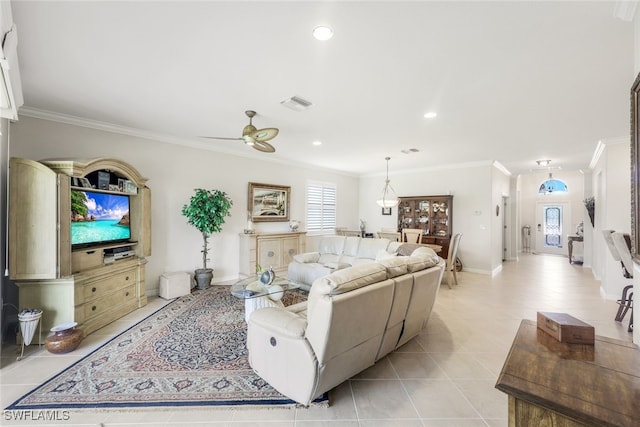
[221,137]
[265,134]
[265,147]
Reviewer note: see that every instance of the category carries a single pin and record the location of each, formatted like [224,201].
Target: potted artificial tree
[206,211]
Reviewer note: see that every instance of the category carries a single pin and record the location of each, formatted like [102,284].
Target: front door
[552,228]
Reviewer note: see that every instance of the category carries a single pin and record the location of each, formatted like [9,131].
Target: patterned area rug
[190,352]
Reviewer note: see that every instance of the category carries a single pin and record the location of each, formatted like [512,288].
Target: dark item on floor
[626,304]
[566,328]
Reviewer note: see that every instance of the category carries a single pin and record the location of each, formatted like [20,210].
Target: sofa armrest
[279,321]
[280,353]
[300,308]
[307,257]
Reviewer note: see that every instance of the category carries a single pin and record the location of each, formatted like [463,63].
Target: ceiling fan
[257,138]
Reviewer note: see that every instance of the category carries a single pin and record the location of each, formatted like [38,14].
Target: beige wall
[173,172]
[473,210]
[612,189]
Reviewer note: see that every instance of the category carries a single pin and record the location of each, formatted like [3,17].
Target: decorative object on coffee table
[65,338]
[266,276]
[206,212]
[29,319]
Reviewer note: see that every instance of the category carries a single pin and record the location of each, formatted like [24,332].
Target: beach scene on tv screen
[99,217]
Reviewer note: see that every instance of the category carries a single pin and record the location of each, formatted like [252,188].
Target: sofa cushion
[303,274]
[307,257]
[331,245]
[369,247]
[382,254]
[328,258]
[422,258]
[396,266]
[351,278]
[337,265]
[407,249]
[426,251]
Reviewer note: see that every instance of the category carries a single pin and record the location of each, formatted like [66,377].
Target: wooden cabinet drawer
[109,302]
[105,286]
[86,259]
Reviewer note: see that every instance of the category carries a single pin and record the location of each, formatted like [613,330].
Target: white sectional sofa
[352,318]
[335,253]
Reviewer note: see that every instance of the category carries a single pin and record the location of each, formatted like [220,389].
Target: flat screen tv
[98,218]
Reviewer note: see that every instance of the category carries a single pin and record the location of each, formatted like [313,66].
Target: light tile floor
[443,378]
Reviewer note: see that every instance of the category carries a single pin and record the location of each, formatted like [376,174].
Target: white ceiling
[511,81]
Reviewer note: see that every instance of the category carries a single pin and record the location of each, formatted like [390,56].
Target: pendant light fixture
[389,198]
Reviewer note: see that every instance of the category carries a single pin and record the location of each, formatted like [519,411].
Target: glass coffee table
[258,295]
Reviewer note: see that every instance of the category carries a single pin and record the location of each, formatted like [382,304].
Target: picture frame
[130,187]
[84,183]
[268,202]
[386,211]
[635,169]
[121,183]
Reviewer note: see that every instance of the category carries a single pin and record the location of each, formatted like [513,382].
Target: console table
[556,384]
[275,250]
[570,240]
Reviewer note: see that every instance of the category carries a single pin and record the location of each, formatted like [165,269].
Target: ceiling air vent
[296,103]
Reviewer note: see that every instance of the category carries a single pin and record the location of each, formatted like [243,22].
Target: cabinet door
[33,207]
[270,253]
[289,249]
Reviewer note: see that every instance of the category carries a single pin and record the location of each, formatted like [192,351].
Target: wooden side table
[556,384]
[570,240]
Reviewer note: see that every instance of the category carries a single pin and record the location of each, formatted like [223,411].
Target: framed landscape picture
[269,202]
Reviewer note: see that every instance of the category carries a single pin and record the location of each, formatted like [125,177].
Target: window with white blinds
[321,207]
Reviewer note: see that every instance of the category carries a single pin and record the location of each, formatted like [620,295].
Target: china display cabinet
[432,214]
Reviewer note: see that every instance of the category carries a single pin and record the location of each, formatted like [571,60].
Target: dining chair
[622,243]
[450,268]
[411,235]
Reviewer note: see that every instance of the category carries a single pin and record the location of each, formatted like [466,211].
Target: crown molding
[602,144]
[501,168]
[197,143]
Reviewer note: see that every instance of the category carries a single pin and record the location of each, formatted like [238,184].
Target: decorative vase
[203,277]
[65,338]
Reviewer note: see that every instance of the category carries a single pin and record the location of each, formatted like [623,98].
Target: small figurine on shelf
[363,226]
[293,225]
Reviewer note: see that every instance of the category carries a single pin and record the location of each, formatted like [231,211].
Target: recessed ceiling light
[322,32]
[317,142]
[543,162]
[430,115]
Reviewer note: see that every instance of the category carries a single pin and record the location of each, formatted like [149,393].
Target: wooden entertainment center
[92,285]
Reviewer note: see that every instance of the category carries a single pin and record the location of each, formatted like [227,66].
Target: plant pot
[203,277]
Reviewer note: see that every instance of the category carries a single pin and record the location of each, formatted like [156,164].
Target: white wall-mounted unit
[10,86]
